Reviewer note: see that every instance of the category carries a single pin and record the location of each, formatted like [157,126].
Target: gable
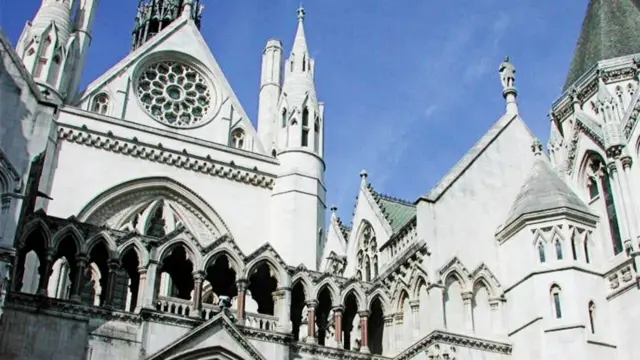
[217,338]
[173,82]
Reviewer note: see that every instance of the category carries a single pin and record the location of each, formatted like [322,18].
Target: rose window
[174,93]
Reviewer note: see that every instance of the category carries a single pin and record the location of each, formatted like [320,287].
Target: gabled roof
[344,229]
[209,337]
[609,30]
[396,211]
[544,190]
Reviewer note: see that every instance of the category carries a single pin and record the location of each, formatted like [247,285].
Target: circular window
[175,94]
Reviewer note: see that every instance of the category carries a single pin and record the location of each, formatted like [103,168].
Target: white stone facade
[146,218]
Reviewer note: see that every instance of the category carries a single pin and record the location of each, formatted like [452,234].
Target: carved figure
[507,74]
[303,331]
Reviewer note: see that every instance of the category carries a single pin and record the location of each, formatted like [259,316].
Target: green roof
[609,31]
[398,212]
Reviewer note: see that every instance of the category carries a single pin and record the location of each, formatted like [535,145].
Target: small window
[284,118]
[237,139]
[558,246]
[573,247]
[305,127]
[274,153]
[305,117]
[557,306]
[305,137]
[592,314]
[592,186]
[100,104]
[586,250]
[541,253]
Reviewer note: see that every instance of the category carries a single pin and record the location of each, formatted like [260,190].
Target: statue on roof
[507,74]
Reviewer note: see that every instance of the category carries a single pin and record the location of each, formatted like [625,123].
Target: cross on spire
[301,13]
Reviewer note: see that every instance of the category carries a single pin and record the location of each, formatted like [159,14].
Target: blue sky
[409,86]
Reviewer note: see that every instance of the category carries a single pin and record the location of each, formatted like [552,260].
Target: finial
[301,13]
[536,147]
[363,174]
[334,208]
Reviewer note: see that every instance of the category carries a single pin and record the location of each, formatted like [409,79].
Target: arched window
[596,170]
[558,246]
[237,139]
[316,134]
[305,127]
[284,118]
[592,314]
[367,256]
[573,247]
[304,63]
[592,188]
[586,249]
[541,252]
[556,301]
[100,104]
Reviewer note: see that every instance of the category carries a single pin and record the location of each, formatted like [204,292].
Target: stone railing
[261,321]
[173,305]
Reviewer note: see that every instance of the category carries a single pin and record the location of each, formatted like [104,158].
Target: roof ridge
[344,229]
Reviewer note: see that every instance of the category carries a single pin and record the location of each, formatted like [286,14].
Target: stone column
[337,321]
[629,198]
[496,316]
[415,319]
[196,304]
[241,285]
[284,309]
[311,321]
[387,341]
[78,282]
[114,266]
[150,292]
[45,273]
[618,202]
[468,310]
[364,328]
[142,283]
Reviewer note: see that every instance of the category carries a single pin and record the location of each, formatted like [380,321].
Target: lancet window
[100,104]
[305,127]
[238,139]
[367,256]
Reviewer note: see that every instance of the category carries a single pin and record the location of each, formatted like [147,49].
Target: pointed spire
[300,42]
[363,178]
[608,31]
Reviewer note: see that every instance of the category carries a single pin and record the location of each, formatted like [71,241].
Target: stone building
[144,217]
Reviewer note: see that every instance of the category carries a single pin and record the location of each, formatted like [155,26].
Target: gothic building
[145,217]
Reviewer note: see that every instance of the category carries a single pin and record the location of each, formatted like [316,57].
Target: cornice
[324,352]
[505,233]
[157,153]
[457,340]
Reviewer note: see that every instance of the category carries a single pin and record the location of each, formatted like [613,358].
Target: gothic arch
[273,264]
[418,282]
[109,204]
[485,277]
[357,292]
[36,224]
[384,299]
[141,252]
[192,252]
[235,261]
[305,281]
[402,294]
[104,237]
[71,231]
[331,286]
[457,269]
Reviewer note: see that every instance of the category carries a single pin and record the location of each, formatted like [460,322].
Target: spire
[300,42]
[608,31]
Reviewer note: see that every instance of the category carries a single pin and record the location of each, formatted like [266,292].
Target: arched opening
[453,305]
[238,139]
[352,333]
[156,223]
[541,252]
[586,249]
[558,247]
[423,298]
[316,135]
[100,104]
[127,283]
[94,291]
[573,246]
[305,127]
[31,264]
[375,327]
[263,282]
[556,302]
[284,118]
[176,281]
[299,321]
[592,315]
[220,280]
[324,318]
[404,320]
[367,255]
[481,309]
[64,269]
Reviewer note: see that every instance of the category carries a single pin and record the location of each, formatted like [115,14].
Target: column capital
[311,304]
[612,167]
[242,284]
[283,288]
[414,304]
[142,270]
[338,309]
[467,295]
[113,264]
[82,260]
[626,161]
[198,275]
[364,313]
[388,319]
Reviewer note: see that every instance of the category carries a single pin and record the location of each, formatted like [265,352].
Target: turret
[270,90]
[298,200]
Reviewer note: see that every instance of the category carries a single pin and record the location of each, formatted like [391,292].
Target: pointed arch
[305,281]
[235,260]
[127,195]
[458,270]
[71,231]
[193,254]
[400,298]
[330,283]
[382,297]
[103,237]
[482,275]
[34,225]
[356,291]
[418,280]
[271,262]
[135,245]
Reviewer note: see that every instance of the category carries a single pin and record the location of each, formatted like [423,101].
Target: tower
[270,90]
[298,199]
[54,46]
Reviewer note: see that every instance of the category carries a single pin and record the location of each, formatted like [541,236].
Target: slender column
[388,342]
[114,266]
[415,318]
[468,310]
[629,199]
[142,283]
[496,316]
[364,328]
[284,309]
[241,285]
[150,289]
[78,282]
[619,202]
[337,321]
[196,304]
[311,321]
[45,273]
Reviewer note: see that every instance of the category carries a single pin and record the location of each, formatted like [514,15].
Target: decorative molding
[157,153]
[442,337]
[324,352]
